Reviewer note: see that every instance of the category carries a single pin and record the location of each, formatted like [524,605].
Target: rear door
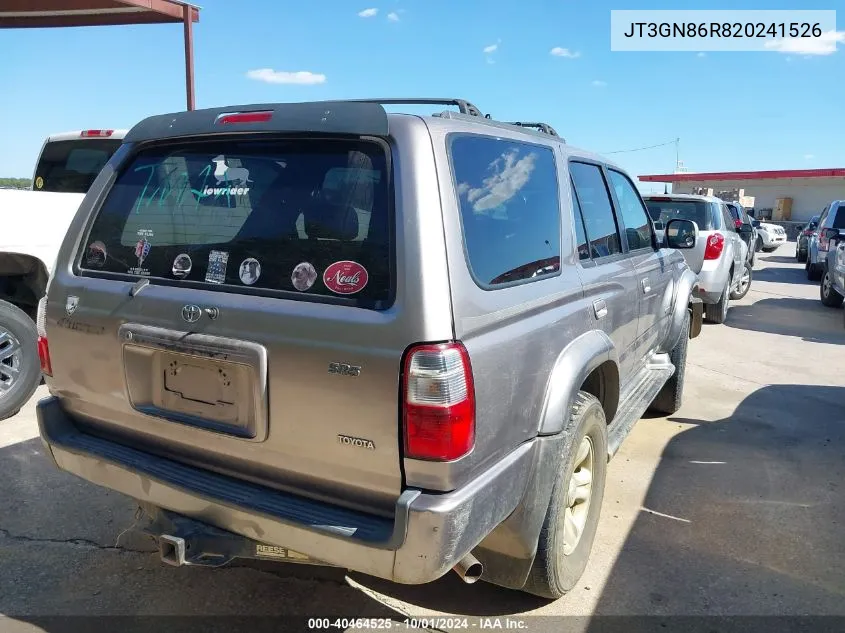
[654,274]
[607,272]
[266,343]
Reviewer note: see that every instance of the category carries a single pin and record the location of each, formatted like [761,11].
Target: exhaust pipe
[469,568]
[172,550]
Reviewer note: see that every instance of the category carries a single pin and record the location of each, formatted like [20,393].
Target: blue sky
[731,111]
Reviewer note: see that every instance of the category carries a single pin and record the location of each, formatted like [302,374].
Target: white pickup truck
[34,224]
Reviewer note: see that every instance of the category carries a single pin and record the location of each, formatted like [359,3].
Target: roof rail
[463,105]
[543,127]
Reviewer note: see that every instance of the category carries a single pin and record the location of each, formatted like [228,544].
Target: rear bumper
[772,240]
[427,536]
[711,283]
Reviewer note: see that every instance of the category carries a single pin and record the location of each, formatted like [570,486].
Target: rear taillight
[438,402]
[43,348]
[96,133]
[715,245]
[737,223]
[244,117]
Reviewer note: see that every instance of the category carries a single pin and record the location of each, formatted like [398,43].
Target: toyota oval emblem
[191,313]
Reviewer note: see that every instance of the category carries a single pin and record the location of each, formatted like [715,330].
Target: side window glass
[634,216]
[839,220]
[510,208]
[597,209]
[580,231]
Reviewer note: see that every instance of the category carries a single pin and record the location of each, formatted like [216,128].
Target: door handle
[646,284]
[600,308]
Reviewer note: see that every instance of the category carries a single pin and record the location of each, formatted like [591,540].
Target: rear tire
[717,312]
[744,284]
[560,561]
[813,272]
[827,292]
[670,398]
[758,246]
[801,256]
[20,369]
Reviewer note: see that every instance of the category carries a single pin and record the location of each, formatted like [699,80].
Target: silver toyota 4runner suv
[397,344]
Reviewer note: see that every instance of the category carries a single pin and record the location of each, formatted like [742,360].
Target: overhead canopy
[23,14]
[52,13]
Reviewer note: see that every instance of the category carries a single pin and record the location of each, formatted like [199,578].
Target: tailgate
[236,302]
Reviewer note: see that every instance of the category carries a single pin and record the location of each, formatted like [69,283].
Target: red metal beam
[61,13]
[746,175]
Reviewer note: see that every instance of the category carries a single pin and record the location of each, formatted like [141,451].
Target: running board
[637,398]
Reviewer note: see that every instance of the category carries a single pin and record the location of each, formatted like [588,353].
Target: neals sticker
[142,250]
[345,277]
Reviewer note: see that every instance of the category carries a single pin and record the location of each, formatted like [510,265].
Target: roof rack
[463,105]
[543,127]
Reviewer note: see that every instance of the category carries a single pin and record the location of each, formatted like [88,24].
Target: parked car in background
[831,222]
[770,237]
[801,244]
[322,327]
[832,287]
[741,217]
[720,257]
[34,224]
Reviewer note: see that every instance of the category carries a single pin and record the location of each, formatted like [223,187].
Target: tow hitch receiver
[186,541]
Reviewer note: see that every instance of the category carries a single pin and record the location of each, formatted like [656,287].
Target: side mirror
[755,224]
[745,229]
[681,234]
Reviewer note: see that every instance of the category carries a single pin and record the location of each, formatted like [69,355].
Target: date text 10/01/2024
[427,623]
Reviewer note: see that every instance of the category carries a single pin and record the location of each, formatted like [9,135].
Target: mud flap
[696,309]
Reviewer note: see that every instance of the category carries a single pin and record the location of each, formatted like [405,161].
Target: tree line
[16,183]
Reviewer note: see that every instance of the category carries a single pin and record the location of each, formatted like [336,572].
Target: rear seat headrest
[331,220]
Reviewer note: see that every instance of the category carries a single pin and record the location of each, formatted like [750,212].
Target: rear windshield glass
[839,220]
[303,216]
[72,166]
[662,211]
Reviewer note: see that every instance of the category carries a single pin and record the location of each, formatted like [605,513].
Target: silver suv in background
[720,257]
[394,343]
[749,235]
[832,288]
[831,223]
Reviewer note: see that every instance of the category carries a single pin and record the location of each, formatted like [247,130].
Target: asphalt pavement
[735,506]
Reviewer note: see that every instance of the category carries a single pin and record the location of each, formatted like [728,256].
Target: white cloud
[598,83]
[702,55]
[367,13]
[491,49]
[809,156]
[302,77]
[557,51]
[509,175]
[823,45]
[393,16]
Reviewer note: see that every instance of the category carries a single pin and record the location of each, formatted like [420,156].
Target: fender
[683,291]
[573,365]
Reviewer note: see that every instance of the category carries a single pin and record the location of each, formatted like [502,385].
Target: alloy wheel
[578,496]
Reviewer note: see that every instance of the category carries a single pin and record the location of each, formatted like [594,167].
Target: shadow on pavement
[754,511]
[779,275]
[807,319]
[779,259]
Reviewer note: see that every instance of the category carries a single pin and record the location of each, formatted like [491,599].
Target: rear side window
[71,166]
[634,217]
[594,201]
[664,210]
[839,220]
[302,216]
[510,208]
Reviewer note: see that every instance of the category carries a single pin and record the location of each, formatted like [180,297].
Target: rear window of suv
[310,217]
[71,166]
[839,220]
[662,211]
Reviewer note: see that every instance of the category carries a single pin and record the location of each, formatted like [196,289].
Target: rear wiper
[138,286]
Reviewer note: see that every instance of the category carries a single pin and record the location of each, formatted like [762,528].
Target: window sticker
[96,255]
[303,277]
[234,179]
[217,262]
[39,182]
[142,249]
[345,277]
[249,271]
[182,266]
